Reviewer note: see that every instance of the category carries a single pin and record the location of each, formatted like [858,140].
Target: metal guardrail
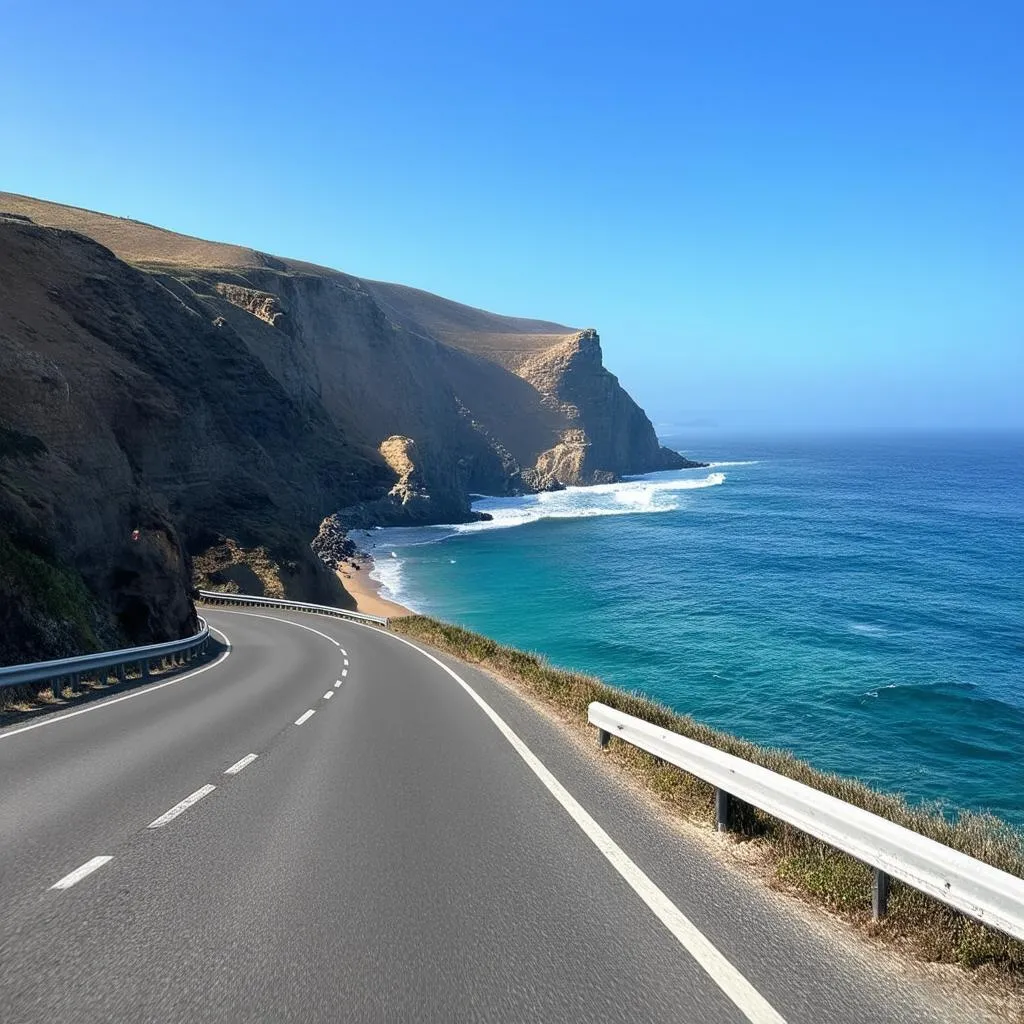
[980,891]
[218,597]
[100,665]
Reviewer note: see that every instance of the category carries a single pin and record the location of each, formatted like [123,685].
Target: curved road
[411,842]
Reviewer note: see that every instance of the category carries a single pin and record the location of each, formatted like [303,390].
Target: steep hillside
[481,394]
[121,409]
[232,400]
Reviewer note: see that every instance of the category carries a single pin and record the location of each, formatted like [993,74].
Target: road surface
[327,824]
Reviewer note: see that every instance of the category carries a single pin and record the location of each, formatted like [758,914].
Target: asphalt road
[407,845]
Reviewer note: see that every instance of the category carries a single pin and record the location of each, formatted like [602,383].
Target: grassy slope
[926,928]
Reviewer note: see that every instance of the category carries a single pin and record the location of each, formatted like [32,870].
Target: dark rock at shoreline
[330,544]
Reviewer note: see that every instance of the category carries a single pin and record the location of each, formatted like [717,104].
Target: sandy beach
[355,576]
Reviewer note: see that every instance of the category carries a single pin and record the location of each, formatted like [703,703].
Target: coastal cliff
[229,405]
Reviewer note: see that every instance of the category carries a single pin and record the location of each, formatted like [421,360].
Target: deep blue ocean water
[857,601]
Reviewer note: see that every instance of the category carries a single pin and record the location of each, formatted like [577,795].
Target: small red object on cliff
[135,534]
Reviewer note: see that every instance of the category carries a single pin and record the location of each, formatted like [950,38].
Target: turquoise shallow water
[859,602]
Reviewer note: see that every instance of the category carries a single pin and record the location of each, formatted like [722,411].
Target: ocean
[858,601]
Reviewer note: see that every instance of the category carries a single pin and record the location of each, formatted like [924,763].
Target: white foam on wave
[625,498]
[387,572]
[628,497]
[745,462]
[867,629]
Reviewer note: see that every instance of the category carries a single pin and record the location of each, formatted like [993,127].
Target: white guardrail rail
[217,597]
[100,666]
[980,891]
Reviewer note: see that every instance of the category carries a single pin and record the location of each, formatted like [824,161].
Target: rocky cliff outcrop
[607,434]
[229,401]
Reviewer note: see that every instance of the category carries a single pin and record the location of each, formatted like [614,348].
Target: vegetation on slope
[45,604]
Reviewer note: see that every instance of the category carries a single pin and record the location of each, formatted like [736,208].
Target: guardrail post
[119,672]
[603,736]
[721,810]
[879,894]
[73,681]
[144,668]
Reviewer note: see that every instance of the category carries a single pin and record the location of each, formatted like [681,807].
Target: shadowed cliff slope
[121,409]
[232,400]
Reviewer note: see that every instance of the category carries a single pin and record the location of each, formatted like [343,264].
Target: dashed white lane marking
[99,706]
[305,716]
[344,662]
[328,695]
[337,684]
[344,653]
[192,798]
[239,765]
[344,672]
[733,984]
[79,873]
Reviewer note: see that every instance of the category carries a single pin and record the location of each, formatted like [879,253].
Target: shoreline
[354,573]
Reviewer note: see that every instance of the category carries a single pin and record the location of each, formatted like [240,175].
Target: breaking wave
[387,571]
[627,497]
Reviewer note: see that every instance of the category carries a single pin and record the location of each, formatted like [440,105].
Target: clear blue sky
[778,215]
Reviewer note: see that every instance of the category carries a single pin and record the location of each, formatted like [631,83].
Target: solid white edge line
[305,716]
[328,695]
[733,984]
[277,618]
[79,873]
[239,765]
[184,805]
[127,696]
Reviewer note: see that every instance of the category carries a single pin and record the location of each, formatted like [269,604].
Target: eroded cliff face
[233,406]
[552,418]
[607,434]
[134,434]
